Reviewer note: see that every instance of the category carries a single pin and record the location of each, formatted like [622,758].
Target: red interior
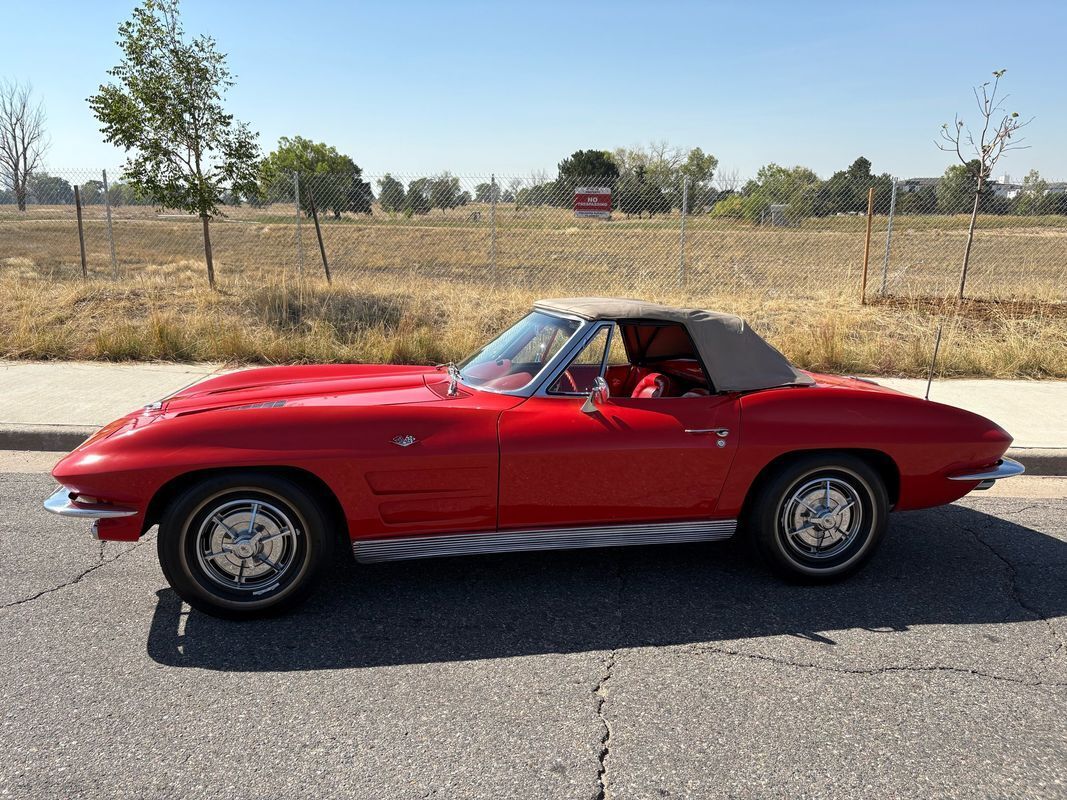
[654,384]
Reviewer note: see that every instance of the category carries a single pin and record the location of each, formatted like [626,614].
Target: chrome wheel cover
[821,518]
[246,545]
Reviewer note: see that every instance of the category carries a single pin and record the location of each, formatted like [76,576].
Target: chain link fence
[776,235]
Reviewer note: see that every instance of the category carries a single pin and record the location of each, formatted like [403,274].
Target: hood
[850,382]
[319,385]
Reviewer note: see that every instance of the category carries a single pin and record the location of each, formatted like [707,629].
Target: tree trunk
[970,239]
[207,251]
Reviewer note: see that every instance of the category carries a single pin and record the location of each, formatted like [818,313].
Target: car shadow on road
[951,565]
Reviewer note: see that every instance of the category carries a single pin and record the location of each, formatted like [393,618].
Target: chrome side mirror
[598,395]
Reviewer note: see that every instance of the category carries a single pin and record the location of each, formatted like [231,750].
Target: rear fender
[924,441]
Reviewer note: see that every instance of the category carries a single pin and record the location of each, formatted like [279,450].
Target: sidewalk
[56,405]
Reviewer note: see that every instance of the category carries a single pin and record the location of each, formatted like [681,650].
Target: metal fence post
[492,222]
[110,232]
[889,235]
[299,240]
[681,234]
[81,231]
[318,234]
[867,245]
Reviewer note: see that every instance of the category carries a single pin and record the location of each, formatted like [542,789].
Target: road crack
[1016,595]
[605,738]
[785,662]
[600,690]
[1009,511]
[102,561]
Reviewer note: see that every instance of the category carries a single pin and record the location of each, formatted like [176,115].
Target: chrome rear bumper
[1005,468]
[60,502]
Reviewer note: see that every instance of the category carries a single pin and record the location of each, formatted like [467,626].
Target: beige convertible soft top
[736,357]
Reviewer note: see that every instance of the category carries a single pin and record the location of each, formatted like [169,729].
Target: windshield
[518,355]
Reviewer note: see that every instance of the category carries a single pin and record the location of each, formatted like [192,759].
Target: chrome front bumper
[60,502]
[1005,468]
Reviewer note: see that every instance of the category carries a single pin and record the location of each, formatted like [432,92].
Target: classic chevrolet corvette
[589,422]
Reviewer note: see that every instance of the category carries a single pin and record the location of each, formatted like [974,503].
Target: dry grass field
[1013,257]
[425,289]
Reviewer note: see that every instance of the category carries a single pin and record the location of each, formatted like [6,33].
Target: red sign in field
[592,201]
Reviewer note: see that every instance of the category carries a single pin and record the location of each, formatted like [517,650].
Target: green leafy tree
[958,186]
[1054,203]
[165,109]
[390,194]
[49,190]
[123,194]
[444,191]
[637,195]
[1031,194]
[333,178]
[92,193]
[584,165]
[699,169]
[630,195]
[417,198]
[795,187]
[360,197]
[846,190]
[657,201]
[917,201]
[542,193]
[729,207]
[669,168]
[484,193]
[660,163]
[581,168]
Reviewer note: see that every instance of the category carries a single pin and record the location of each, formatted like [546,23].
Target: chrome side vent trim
[264,404]
[369,551]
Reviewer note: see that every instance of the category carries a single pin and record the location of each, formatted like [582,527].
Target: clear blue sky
[477,87]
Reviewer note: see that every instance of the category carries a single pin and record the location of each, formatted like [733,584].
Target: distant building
[1056,187]
[909,185]
[1005,187]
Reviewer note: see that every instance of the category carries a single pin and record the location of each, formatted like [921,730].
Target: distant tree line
[51,190]
[644,182]
[801,194]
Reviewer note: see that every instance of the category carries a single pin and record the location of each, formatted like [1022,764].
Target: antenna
[933,360]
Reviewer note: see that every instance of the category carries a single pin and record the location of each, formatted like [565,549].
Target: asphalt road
[680,671]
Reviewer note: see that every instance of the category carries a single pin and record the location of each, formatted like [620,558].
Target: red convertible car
[589,422]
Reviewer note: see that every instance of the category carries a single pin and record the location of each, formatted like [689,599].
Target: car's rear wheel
[820,517]
[242,545]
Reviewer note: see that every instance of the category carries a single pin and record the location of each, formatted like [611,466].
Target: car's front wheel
[242,545]
[820,517]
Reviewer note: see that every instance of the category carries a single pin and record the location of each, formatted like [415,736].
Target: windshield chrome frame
[588,334]
[564,354]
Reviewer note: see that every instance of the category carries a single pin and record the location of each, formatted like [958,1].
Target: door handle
[722,433]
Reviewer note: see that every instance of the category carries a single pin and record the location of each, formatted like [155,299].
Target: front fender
[344,448]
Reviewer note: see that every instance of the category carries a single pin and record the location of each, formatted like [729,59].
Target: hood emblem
[404,441]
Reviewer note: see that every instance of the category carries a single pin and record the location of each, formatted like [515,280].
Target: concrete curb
[52,438]
[1041,460]
[64,438]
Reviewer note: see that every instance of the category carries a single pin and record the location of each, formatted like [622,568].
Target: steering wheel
[571,385]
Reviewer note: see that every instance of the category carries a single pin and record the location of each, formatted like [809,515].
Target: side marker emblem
[404,441]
